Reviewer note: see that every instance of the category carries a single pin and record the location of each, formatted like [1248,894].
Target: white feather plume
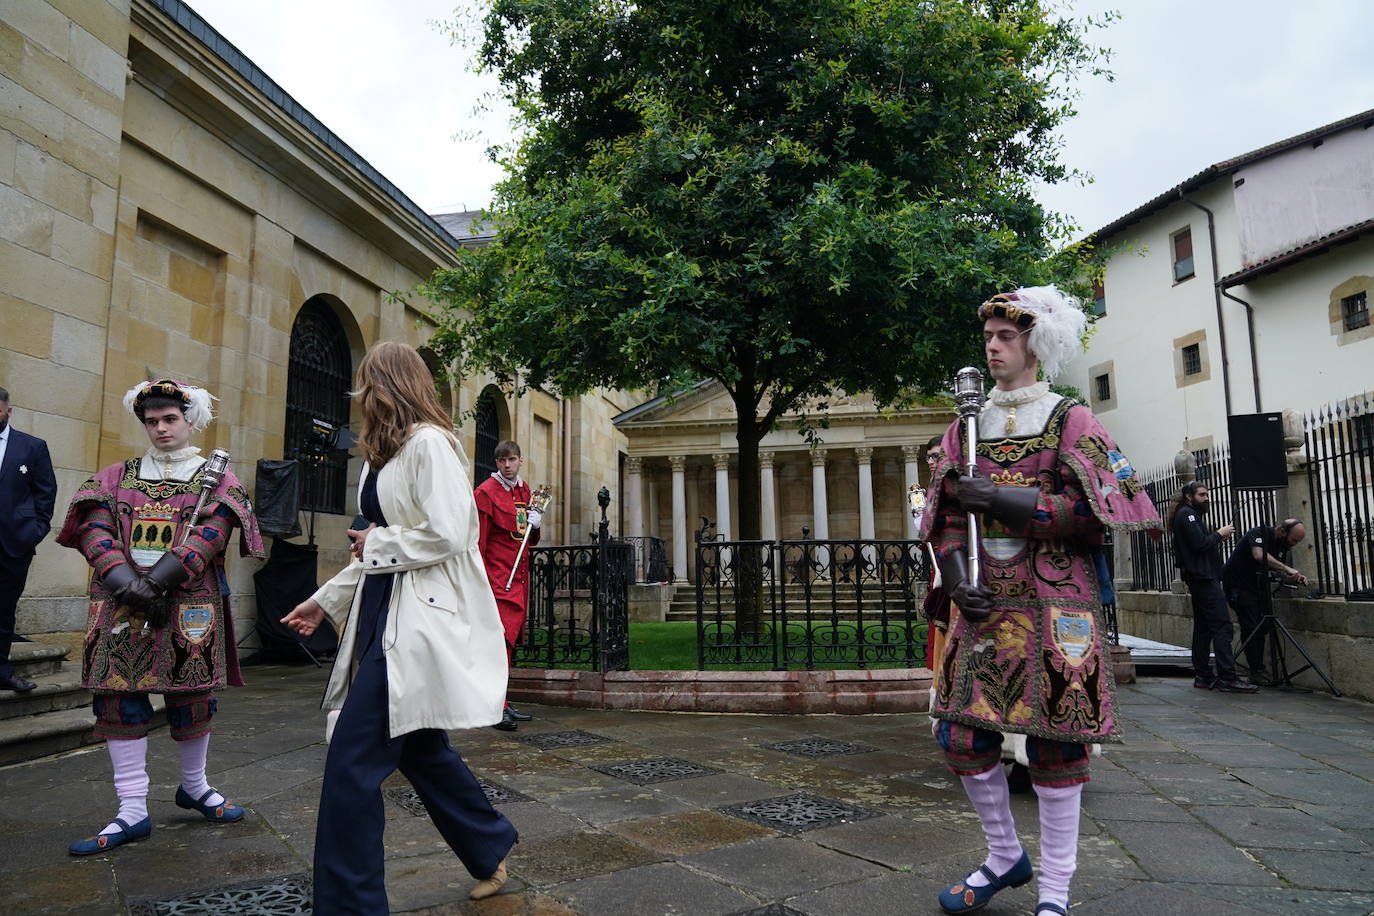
[1057,336]
[199,412]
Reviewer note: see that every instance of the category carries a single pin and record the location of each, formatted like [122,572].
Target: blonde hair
[395,391]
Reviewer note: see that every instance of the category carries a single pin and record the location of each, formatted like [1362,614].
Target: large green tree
[788,196]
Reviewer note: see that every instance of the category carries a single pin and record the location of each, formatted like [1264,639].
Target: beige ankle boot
[491,885]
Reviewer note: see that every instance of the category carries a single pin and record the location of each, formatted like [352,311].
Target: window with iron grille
[1355,311]
[319,370]
[1183,254]
[488,437]
[1104,387]
[1192,359]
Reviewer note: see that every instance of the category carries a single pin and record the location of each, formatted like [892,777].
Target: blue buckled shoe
[1047,907]
[128,833]
[961,898]
[224,813]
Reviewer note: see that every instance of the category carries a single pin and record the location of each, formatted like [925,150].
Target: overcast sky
[1197,81]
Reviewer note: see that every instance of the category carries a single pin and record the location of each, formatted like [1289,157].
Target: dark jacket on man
[1196,546]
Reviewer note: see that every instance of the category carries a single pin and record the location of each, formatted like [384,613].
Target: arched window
[488,436]
[319,372]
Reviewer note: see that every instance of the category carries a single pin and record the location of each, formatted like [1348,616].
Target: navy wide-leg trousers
[349,860]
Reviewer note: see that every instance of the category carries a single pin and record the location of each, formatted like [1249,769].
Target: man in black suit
[28,492]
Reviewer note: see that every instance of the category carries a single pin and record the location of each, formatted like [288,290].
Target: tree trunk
[749,581]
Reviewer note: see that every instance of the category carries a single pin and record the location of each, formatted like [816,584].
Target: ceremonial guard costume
[504,510]
[1036,665]
[159,616]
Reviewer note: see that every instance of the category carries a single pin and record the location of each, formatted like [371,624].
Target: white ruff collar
[1018,396]
[177,464]
[508,484]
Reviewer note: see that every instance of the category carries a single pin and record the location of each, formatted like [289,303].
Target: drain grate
[407,798]
[798,811]
[549,741]
[654,769]
[283,896]
[498,794]
[772,909]
[819,747]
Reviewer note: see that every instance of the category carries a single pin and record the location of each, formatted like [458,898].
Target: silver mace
[968,403]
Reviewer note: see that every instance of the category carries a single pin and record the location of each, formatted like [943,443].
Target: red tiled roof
[1306,250]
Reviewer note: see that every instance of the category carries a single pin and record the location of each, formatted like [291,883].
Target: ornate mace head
[968,392]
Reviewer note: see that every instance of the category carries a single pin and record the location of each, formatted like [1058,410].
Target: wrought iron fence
[1152,559]
[1339,440]
[650,561]
[578,613]
[810,603]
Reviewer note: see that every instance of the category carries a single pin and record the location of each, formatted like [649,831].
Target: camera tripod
[1278,632]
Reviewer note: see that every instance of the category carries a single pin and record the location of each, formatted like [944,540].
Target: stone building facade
[166,209]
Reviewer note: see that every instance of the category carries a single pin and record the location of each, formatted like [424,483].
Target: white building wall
[1146,312]
[1303,194]
[1305,362]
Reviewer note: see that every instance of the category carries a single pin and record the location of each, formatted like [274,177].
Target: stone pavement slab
[1215,804]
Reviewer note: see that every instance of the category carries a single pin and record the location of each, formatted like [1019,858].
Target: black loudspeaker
[278,491]
[1257,461]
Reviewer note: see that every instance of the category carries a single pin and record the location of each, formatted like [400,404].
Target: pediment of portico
[702,419]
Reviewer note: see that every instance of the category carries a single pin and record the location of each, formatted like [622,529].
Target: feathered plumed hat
[1055,320]
[195,402]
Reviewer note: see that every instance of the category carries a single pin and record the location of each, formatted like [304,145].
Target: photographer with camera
[1262,552]
[1199,560]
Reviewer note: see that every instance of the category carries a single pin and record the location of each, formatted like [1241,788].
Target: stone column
[768,517]
[722,463]
[820,525]
[864,456]
[651,526]
[634,496]
[911,457]
[679,466]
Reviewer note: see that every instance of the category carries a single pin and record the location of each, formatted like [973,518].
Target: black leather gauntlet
[973,601]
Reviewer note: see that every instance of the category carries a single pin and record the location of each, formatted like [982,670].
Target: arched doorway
[319,373]
[488,434]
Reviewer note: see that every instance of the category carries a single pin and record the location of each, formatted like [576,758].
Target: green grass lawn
[672,646]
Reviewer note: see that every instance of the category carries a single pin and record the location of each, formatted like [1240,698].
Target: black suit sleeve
[43,483]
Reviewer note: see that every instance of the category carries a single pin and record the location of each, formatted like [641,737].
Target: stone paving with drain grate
[820,747]
[642,814]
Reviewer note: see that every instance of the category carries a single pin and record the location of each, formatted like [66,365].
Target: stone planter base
[778,692]
[1123,668]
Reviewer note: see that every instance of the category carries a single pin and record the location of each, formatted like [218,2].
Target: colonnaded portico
[682,467]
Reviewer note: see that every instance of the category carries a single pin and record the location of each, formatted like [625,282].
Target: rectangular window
[1355,311]
[1183,254]
[1104,387]
[1364,432]
[1099,300]
[1192,359]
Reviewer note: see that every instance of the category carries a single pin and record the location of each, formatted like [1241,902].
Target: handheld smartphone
[359,523]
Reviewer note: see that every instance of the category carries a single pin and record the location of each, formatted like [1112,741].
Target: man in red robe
[504,511]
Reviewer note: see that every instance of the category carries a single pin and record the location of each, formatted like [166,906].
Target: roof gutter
[1216,291]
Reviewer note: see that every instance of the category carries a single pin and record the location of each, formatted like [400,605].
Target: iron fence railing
[578,611]
[1152,558]
[810,603]
[1339,442]
[650,559]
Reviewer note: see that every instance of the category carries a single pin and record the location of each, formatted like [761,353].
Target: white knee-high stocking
[992,800]
[1059,812]
[193,755]
[130,761]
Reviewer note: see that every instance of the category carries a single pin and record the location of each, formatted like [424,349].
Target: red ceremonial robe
[504,515]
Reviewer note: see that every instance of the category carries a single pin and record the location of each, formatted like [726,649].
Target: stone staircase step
[36,659]
[61,690]
[30,737]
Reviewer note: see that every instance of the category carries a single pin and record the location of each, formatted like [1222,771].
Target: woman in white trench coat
[422,647]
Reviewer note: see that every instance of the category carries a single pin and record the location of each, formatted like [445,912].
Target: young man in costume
[1025,651]
[504,511]
[159,608]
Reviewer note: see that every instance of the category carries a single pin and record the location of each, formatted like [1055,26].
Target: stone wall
[1338,634]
